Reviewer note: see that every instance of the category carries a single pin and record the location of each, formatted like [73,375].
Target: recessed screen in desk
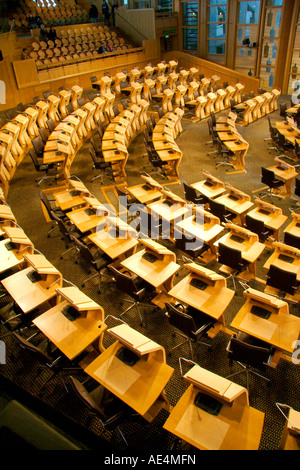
[146,187]
[198,283]
[209,404]
[260,311]
[209,183]
[127,356]
[264,211]
[10,246]
[34,276]
[286,258]
[168,203]
[237,238]
[70,312]
[233,197]
[73,193]
[298,224]
[149,257]
[89,211]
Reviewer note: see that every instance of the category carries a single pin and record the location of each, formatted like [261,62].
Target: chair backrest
[84,251]
[180,320]
[44,133]
[124,281]
[44,200]
[189,192]
[38,145]
[61,226]
[69,108]
[31,348]
[217,209]
[292,240]
[255,225]
[248,354]
[267,176]
[50,124]
[34,159]
[285,281]
[116,110]
[46,94]
[81,392]
[230,257]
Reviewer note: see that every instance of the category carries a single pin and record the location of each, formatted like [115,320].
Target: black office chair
[68,231]
[46,353]
[46,94]
[292,240]
[219,210]
[285,282]
[269,179]
[91,260]
[191,195]
[44,134]
[101,403]
[232,259]
[70,108]
[10,114]
[213,135]
[190,324]
[282,109]
[115,110]
[257,226]
[191,246]
[250,353]
[41,167]
[274,137]
[149,224]
[48,207]
[125,199]
[98,164]
[140,291]
[38,146]
[225,153]
[51,125]
[156,162]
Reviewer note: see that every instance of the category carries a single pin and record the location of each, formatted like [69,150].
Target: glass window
[218,2]
[216,47]
[190,13]
[271,3]
[217,31]
[190,38]
[217,14]
[165,5]
[249,12]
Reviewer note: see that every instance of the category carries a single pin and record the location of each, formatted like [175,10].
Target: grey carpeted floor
[24,199]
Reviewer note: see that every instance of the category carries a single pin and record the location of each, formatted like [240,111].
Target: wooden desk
[140,386]
[30,295]
[117,240]
[11,258]
[161,272]
[213,300]
[286,173]
[73,337]
[290,439]
[67,200]
[169,208]
[239,148]
[237,202]
[269,214]
[286,250]
[294,226]
[249,245]
[204,226]
[147,192]
[238,426]
[6,215]
[83,220]
[210,187]
[281,329]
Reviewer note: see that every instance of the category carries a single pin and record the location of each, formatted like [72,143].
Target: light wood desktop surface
[238,426]
[30,295]
[72,337]
[140,386]
[281,329]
